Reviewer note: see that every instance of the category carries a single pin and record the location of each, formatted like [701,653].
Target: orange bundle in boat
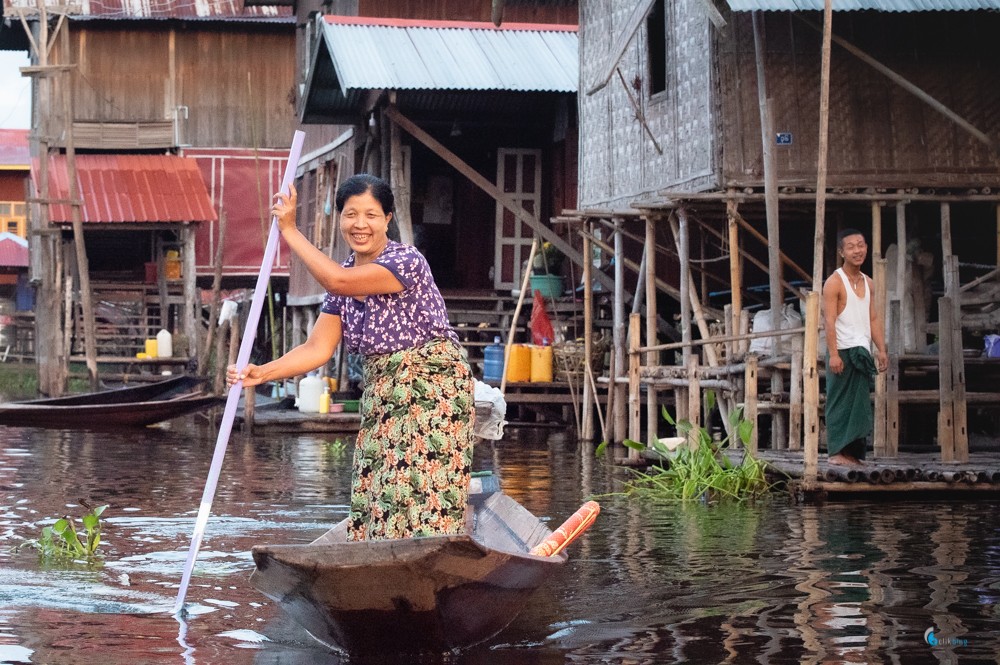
[570,530]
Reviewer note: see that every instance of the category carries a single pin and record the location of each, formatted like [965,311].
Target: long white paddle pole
[234,392]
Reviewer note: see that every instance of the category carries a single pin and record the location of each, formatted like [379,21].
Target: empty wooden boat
[134,406]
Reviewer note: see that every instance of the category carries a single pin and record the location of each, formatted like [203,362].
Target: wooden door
[519,176]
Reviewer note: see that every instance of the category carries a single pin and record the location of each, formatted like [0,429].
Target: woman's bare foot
[844,460]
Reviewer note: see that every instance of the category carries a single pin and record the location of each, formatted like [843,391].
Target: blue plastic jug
[493,362]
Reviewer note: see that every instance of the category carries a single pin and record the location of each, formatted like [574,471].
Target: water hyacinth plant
[699,470]
[61,541]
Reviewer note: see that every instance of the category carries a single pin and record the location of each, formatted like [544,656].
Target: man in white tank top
[852,326]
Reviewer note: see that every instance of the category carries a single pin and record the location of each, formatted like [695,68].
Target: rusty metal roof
[13,251]
[14,153]
[358,54]
[860,5]
[162,9]
[131,188]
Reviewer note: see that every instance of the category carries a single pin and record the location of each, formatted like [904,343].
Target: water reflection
[766,583]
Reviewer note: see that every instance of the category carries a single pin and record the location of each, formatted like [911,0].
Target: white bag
[491,426]
[774,346]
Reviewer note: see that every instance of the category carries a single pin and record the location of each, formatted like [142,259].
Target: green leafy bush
[699,470]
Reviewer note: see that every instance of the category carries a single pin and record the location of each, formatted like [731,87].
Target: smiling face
[854,249]
[364,224]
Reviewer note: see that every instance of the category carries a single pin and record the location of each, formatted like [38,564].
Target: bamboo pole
[879,301]
[810,380]
[671,346]
[400,184]
[589,390]
[824,142]
[525,280]
[750,402]
[683,259]
[213,312]
[634,363]
[735,278]
[694,393]
[770,179]
[795,407]
[620,340]
[82,264]
[652,412]
[902,270]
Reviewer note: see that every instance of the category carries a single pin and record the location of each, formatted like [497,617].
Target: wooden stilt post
[824,142]
[960,405]
[735,281]
[998,242]
[652,357]
[587,429]
[878,278]
[902,281]
[400,183]
[750,401]
[946,415]
[810,381]
[620,341]
[634,362]
[892,384]
[694,394]
[795,407]
[683,257]
[82,264]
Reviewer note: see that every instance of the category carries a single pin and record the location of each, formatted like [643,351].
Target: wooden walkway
[909,472]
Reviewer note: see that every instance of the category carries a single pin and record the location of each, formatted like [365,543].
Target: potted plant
[548,260]
[546,275]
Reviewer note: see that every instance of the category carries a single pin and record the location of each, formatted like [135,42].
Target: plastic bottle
[324,401]
[164,344]
[310,389]
[493,361]
[151,350]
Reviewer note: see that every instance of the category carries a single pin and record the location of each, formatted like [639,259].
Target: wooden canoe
[135,406]
[430,595]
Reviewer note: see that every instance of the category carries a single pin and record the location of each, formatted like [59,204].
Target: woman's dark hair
[363,183]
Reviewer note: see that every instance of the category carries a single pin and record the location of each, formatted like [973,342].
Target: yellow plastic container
[519,363]
[172,265]
[541,364]
[151,348]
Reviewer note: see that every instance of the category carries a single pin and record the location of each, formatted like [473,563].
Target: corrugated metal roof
[164,9]
[132,188]
[13,251]
[373,54]
[860,5]
[14,152]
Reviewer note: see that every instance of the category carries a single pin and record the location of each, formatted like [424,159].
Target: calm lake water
[770,583]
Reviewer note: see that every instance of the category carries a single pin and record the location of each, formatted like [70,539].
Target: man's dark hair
[844,233]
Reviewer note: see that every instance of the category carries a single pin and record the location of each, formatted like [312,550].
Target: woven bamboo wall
[618,161]
[880,135]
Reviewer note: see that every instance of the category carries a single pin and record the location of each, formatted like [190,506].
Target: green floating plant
[61,540]
[699,469]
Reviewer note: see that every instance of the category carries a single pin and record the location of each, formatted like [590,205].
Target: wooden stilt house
[136,166]
[715,135]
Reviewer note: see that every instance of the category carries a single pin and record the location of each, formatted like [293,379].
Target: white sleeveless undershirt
[854,324]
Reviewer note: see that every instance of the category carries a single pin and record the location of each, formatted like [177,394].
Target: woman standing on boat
[414,450]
